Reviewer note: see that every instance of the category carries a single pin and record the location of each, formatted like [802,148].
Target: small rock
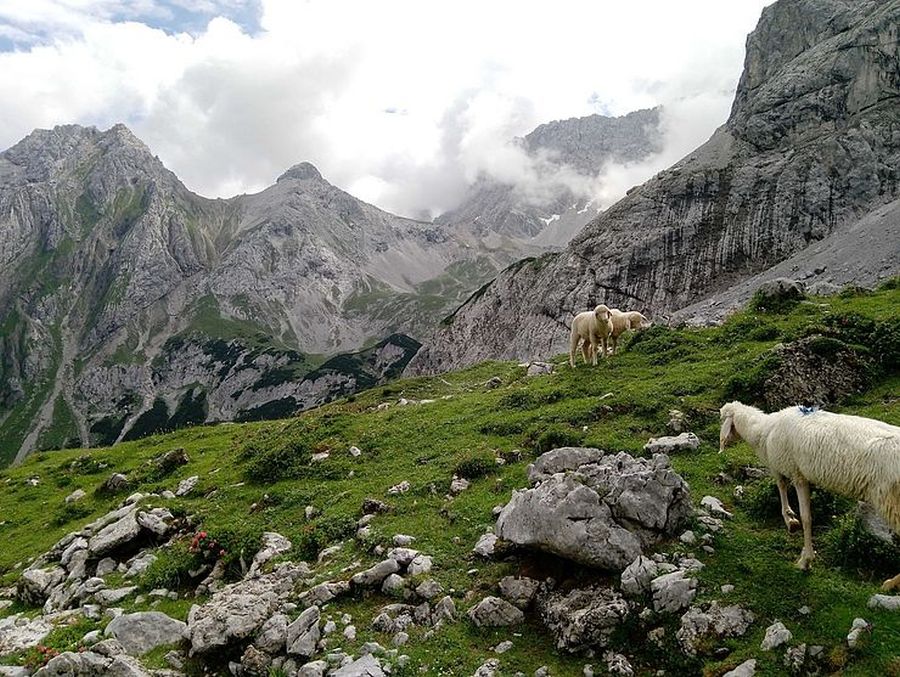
[485,545]
[375,575]
[688,538]
[670,445]
[503,647]
[394,584]
[539,368]
[458,485]
[776,635]
[727,589]
[186,486]
[420,565]
[860,626]
[76,495]
[400,639]
[402,540]
[673,591]
[355,451]
[519,590]
[350,633]
[715,507]
[429,589]
[401,488]
[887,602]
[745,669]
[495,612]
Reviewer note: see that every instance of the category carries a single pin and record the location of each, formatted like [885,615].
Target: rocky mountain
[811,147]
[562,152]
[125,296]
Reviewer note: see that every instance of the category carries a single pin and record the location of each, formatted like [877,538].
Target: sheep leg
[605,345]
[615,344]
[594,350]
[807,554]
[787,513]
[891,584]
[586,352]
[573,345]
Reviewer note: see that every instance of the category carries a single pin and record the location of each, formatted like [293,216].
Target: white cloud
[228,111]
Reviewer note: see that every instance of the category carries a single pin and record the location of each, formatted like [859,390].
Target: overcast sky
[402,103]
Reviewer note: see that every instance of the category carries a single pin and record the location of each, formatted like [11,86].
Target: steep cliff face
[812,144]
[565,155]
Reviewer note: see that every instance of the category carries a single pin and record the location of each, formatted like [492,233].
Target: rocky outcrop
[595,509]
[809,148]
[143,631]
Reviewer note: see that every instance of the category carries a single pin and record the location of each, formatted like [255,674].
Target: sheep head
[638,321]
[727,432]
[602,312]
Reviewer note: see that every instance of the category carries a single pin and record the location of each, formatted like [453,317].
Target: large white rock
[604,513]
[582,618]
[114,535]
[493,612]
[303,634]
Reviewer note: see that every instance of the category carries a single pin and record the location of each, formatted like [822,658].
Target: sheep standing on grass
[623,321]
[849,455]
[590,328]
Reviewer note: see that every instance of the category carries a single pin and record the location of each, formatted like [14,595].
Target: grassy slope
[424,443]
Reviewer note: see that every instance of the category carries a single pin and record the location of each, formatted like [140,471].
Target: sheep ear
[726,432]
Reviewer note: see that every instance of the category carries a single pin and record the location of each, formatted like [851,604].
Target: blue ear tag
[806,411]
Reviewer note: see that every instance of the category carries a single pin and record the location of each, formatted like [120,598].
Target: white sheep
[849,455]
[590,328]
[623,321]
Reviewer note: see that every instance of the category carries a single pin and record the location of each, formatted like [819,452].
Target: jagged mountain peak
[302,171]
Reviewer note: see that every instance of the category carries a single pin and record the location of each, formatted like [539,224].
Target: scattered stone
[375,575]
[698,624]
[355,451]
[676,421]
[366,666]
[494,612]
[727,589]
[489,668]
[688,538]
[117,482]
[458,485]
[519,590]
[75,496]
[303,634]
[145,630]
[273,544]
[486,545]
[394,584]
[859,626]
[503,647]
[539,368]
[715,507]
[370,506]
[804,610]
[186,486]
[673,591]
[603,514]
[324,592]
[745,669]
[429,589]
[617,664]
[886,602]
[402,540]
[776,635]
[321,456]
[635,579]
[672,444]
[114,535]
[401,488]
[400,638]
[106,566]
[582,618]
[420,565]
[350,633]
[444,610]
[34,585]
[273,634]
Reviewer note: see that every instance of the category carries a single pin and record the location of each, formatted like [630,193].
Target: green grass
[258,476]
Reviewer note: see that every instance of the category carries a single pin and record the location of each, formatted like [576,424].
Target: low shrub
[171,569]
[318,535]
[474,467]
[850,546]
[546,438]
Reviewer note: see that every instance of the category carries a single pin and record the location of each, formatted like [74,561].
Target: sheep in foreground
[590,328]
[623,321]
[850,455]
